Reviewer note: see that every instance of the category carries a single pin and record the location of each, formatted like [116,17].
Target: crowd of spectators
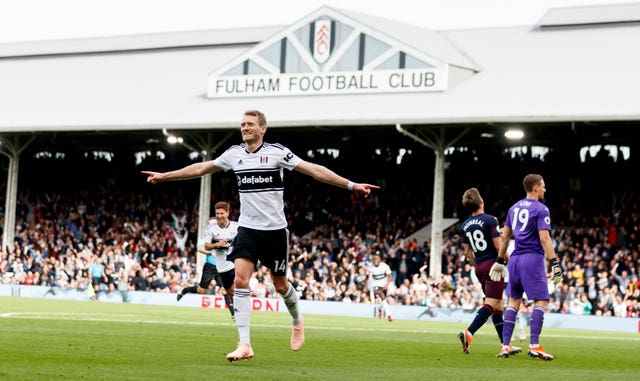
[109,241]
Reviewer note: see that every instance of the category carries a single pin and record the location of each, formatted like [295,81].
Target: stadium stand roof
[136,43]
[590,16]
[509,75]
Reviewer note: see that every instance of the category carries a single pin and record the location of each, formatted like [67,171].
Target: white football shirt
[215,232]
[260,182]
[379,274]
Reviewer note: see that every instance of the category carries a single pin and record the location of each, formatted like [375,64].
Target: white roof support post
[12,149]
[206,149]
[438,145]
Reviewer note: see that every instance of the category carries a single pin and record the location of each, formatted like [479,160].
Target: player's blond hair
[262,120]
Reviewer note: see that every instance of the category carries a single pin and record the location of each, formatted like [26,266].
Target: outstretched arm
[188,172]
[325,175]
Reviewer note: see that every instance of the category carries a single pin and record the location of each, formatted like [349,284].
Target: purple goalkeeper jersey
[526,218]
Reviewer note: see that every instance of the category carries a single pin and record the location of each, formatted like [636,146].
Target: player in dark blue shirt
[481,240]
[529,223]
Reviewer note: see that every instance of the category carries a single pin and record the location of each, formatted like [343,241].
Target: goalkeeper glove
[556,271]
[497,270]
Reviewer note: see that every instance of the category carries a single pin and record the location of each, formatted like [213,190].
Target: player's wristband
[350,185]
[500,261]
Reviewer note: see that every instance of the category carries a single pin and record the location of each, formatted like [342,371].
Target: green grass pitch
[68,340]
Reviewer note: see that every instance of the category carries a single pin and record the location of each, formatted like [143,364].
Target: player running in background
[529,222]
[481,240]
[262,236]
[379,279]
[215,245]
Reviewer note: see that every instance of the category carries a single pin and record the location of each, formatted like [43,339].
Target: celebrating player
[262,235]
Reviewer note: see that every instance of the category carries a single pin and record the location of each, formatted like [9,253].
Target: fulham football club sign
[329,52]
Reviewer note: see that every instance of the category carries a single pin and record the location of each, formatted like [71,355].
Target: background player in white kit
[215,245]
[379,279]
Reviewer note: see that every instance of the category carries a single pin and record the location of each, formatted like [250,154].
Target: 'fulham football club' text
[381,81]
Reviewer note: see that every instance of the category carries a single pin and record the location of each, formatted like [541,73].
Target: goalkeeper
[529,223]
[215,244]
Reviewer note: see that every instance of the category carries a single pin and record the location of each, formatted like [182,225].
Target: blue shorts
[527,273]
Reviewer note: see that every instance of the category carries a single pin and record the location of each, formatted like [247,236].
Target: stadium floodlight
[514,134]
[171,138]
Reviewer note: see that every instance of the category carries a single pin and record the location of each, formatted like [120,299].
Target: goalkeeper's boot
[465,339]
[297,334]
[243,352]
[538,351]
[513,350]
[504,352]
[180,294]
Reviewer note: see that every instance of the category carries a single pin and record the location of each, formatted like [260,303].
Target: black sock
[498,322]
[481,317]
[229,300]
[190,290]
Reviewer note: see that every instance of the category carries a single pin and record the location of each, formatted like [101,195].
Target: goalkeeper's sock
[498,323]
[242,305]
[291,301]
[190,290]
[537,319]
[481,317]
[509,325]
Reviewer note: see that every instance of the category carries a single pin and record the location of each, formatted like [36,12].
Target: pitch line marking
[78,316]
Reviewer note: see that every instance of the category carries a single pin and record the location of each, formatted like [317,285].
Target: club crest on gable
[322,40]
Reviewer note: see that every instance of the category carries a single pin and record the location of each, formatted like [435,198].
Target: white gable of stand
[334,52]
